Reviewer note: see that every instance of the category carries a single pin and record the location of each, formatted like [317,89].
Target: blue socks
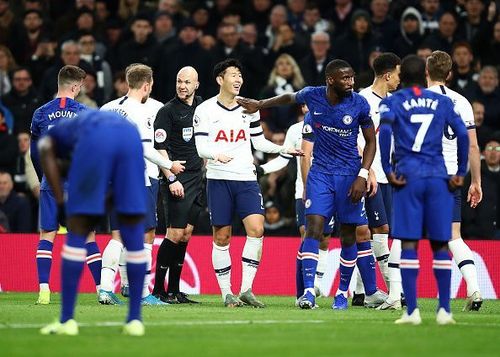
[299,281]
[442,272]
[73,258]
[348,256]
[94,261]
[310,257]
[44,260]
[409,267]
[366,266]
[133,239]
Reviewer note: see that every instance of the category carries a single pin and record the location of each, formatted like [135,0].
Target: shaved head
[187,83]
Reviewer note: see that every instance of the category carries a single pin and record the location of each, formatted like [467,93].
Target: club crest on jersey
[347,119]
[307,129]
[308,202]
[160,135]
[196,120]
[187,133]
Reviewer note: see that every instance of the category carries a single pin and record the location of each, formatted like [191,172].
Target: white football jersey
[464,109]
[374,101]
[293,139]
[142,115]
[229,132]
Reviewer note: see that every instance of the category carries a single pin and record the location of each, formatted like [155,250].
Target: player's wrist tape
[363,173]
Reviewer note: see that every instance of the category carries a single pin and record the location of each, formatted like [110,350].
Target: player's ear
[197,85]
[219,80]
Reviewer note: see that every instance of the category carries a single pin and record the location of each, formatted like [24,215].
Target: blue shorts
[457,206]
[225,197]
[423,203]
[300,217]
[375,210]
[150,219]
[327,197]
[103,162]
[47,211]
[386,190]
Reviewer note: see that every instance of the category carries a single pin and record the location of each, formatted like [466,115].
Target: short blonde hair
[137,74]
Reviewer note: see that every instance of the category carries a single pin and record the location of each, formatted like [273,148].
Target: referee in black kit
[181,194]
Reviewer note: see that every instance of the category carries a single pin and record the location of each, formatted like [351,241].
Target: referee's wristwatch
[171,179]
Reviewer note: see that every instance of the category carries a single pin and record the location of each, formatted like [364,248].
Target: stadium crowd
[283,46]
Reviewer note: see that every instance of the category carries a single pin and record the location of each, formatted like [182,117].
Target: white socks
[395,287]
[380,247]
[122,266]
[465,261]
[110,258]
[221,261]
[360,288]
[320,270]
[250,259]
[148,251]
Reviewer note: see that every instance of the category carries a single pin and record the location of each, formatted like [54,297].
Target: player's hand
[475,194]
[455,182]
[294,152]
[222,158]
[396,181]
[176,189]
[250,105]
[357,190]
[177,167]
[371,184]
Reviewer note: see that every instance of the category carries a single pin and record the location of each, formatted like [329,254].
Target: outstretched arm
[252,105]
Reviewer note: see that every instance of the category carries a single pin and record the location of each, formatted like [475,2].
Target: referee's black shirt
[174,133]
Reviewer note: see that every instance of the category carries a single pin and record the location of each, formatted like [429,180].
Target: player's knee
[222,239]
[149,236]
[347,235]
[384,229]
[362,234]
[48,235]
[314,231]
[324,242]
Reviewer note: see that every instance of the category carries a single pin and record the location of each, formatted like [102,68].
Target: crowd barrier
[276,274]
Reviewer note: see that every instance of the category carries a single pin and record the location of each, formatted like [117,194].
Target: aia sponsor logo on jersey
[230,136]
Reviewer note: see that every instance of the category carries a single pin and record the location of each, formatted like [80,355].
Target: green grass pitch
[280,329]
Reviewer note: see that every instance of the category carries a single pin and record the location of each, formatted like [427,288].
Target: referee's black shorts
[179,212]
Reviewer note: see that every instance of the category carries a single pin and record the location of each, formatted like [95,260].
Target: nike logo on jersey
[317,113]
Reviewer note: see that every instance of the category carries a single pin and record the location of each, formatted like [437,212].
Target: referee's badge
[187,133]
[160,135]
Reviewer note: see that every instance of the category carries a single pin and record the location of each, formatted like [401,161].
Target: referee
[181,194]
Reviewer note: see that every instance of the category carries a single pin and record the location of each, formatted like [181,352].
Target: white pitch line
[173,323]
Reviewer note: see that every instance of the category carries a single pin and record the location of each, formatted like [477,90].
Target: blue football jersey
[418,117]
[49,115]
[336,129]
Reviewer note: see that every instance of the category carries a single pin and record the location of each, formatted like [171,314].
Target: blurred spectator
[484,220]
[488,93]
[383,25]
[174,8]
[7,23]
[14,206]
[186,51]
[365,78]
[66,22]
[275,224]
[43,58]
[482,131]
[120,85]
[286,42]
[258,12]
[313,65]
[87,93]
[29,37]
[7,64]
[312,22]
[101,68]
[474,26]
[445,37]
[22,100]
[296,9]
[411,33]
[430,15]
[164,30]
[490,53]
[8,147]
[356,44]
[201,19]
[102,13]
[285,77]
[341,16]
[277,17]
[142,48]
[463,75]
[113,36]
[127,9]
[70,55]
[20,180]
[424,51]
